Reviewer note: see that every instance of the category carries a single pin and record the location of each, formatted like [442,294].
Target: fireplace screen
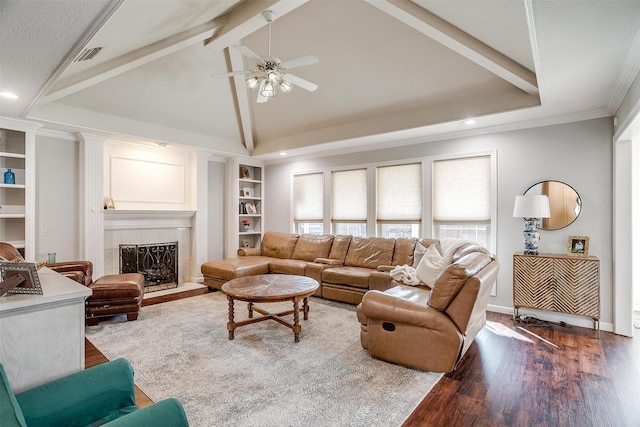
[157,262]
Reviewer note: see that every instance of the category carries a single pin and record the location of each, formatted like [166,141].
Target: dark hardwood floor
[518,374]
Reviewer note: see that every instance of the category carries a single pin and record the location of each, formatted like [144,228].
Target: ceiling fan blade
[261,99]
[248,52]
[300,62]
[304,84]
[233,73]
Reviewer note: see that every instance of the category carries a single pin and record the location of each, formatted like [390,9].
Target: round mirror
[564,202]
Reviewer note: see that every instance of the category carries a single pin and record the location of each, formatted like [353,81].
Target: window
[349,202]
[308,203]
[462,198]
[399,200]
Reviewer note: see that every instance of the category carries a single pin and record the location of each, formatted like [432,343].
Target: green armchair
[101,395]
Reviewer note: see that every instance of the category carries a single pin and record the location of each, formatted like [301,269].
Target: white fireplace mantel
[115,219]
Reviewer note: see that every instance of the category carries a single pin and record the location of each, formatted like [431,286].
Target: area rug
[182,349]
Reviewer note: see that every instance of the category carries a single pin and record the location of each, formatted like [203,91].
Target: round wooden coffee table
[266,288]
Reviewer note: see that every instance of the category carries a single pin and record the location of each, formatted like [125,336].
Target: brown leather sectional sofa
[346,267]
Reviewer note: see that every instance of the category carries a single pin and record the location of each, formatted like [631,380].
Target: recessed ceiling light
[469,122]
[9,95]
[283,153]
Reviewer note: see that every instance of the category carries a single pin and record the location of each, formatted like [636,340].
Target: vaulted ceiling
[389,71]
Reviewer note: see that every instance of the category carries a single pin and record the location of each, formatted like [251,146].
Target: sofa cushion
[278,245]
[230,268]
[418,253]
[340,247]
[431,265]
[454,277]
[370,252]
[403,251]
[357,277]
[288,266]
[312,246]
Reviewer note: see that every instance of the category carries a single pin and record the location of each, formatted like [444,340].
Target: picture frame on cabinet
[244,172]
[29,279]
[246,192]
[251,208]
[578,246]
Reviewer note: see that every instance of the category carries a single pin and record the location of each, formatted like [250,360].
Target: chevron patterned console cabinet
[559,283]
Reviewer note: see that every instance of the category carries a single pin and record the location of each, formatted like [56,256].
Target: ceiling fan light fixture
[269,89]
[285,86]
[252,82]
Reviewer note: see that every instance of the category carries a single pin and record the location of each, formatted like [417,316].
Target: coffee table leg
[305,308]
[231,325]
[296,319]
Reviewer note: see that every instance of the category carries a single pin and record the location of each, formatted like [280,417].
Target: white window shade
[308,197]
[462,190]
[399,193]
[349,195]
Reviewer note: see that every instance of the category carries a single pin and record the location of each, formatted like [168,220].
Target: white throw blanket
[405,274]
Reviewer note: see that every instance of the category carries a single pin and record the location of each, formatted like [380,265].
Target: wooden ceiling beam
[133,60]
[460,42]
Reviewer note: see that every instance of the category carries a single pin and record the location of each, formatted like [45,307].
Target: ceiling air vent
[88,54]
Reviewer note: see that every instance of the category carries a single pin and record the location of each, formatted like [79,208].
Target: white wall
[57,197]
[216,209]
[579,154]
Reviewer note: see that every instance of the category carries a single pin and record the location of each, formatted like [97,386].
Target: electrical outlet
[44,231]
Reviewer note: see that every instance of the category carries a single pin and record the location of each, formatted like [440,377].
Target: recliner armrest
[81,271]
[103,392]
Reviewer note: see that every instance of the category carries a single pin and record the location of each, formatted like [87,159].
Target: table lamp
[531,208]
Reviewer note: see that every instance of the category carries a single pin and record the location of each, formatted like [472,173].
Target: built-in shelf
[13,155]
[22,186]
[250,190]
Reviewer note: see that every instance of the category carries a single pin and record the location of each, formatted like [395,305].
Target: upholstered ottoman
[113,295]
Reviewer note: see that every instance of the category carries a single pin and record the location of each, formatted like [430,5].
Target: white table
[42,336]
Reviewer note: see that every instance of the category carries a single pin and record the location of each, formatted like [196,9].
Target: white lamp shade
[535,206]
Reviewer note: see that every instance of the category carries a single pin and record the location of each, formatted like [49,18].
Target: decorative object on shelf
[244,172]
[245,243]
[578,246]
[9,177]
[246,192]
[246,224]
[271,75]
[531,208]
[108,203]
[51,257]
[28,281]
[251,208]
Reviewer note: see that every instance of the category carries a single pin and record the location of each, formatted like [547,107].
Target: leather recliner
[429,329]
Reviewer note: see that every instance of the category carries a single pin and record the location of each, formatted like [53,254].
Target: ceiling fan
[272,75]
